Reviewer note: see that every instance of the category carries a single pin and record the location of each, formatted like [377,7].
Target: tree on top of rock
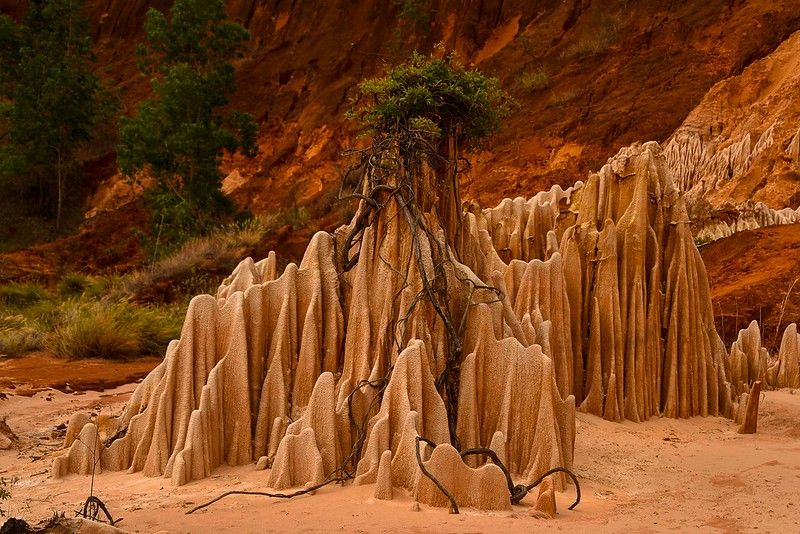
[179,134]
[430,111]
[421,118]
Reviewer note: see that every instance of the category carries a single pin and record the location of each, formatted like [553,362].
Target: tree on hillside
[51,98]
[421,118]
[178,136]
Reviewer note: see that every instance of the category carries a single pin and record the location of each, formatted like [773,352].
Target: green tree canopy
[179,135]
[438,95]
[53,99]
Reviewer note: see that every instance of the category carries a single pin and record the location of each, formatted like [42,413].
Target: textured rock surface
[484,488]
[594,296]
[748,358]
[631,331]
[742,141]
[748,216]
[784,370]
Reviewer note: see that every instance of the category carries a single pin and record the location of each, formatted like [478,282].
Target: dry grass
[113,330]
[218,251]
[17,337]
[92,317]
[563,97]
[86,325]
[535,80]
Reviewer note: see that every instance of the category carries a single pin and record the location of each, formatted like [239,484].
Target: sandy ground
[38,371]
[694,475]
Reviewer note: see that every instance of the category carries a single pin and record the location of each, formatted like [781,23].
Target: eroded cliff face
[742,142]
[590,77]
[756,276]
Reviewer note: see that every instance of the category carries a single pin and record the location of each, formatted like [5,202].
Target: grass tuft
[17,337]
[76,285]
[21,295]
[112,330]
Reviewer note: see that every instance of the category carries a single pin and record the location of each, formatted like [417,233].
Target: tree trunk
[60,187]
[449,201]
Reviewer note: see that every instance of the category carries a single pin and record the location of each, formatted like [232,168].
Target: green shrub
[601,32]
[157,326]
[94,332]
[77,285]
[296,217]
[21,295]
[26,312]
[6,486]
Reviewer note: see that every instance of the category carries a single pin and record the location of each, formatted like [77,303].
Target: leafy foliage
[52,99]
[415,11]
[6,486]
[179,135]
[437,95]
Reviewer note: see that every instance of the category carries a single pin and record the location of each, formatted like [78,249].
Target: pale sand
[690,474]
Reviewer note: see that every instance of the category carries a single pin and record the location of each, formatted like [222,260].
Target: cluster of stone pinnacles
[604,307]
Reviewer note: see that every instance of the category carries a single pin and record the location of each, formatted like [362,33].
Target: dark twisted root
[266,494]
[521,490]
[340,475]
[453,504]
[92,508]
[517,493]
[493,455]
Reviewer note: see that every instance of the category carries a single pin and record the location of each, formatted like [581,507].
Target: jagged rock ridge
[748,216]
[595,295]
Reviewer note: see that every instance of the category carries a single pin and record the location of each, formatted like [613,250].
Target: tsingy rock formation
[748,358]
[640,338]
[595,294]
[719,224]
[784,370]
